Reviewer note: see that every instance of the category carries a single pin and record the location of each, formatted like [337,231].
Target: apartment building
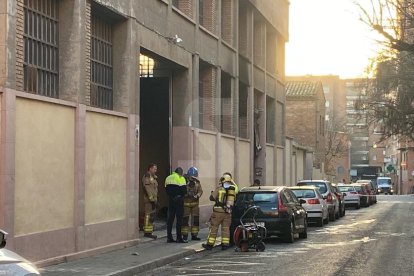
[91,92]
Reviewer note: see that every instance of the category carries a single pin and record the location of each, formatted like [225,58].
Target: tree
[388,103]
[336,144]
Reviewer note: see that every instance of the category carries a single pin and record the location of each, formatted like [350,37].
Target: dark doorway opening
[155,138]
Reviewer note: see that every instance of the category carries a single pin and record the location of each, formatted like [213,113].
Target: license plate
[252,224]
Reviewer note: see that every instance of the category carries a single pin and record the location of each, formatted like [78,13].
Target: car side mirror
[3,237]
[325,197]
[302,201]
[344,194]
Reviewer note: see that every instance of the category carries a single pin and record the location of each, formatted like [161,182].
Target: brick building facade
[305,116]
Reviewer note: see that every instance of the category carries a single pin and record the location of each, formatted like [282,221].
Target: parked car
[351,197]
[341,198]
[363,194]
[315,205]
[325,188]
[281,212]
[12,263]
[384,185]
[372,187]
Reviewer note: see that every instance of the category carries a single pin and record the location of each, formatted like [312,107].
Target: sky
[326,37]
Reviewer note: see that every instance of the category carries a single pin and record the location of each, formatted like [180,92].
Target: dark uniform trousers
[175,210]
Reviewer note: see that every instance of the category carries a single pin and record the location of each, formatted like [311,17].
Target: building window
[227,20]
[41,55]
[259,43]
[186,6]
[226,104]
[207,11]
[207,96]
[326,117]
[243,111]
[374,157]
[270,120]
[327,104]
[146,66]
[101,64]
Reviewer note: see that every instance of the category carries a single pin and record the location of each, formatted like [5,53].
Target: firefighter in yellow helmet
[150,184]
[191,205]
[224,197]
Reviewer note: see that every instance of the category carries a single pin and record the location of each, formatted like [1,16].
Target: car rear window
[321,185]
[257,198]
[300,193]
[346,188]
[358,188]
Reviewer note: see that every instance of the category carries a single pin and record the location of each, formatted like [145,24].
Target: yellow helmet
[226,178]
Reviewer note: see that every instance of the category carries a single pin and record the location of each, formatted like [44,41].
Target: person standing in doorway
[150,184]
[191,205]
[175,186]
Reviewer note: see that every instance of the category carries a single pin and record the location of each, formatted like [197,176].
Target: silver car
[12,263]
[352,198]
[325,188]
[315,205]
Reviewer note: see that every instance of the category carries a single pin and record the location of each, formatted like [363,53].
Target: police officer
[224,197]
[191,205]
[150,184]
[175,186]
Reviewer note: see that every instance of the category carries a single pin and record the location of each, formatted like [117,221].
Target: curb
[153,264]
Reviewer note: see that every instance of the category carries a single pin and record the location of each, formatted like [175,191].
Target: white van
[384,185]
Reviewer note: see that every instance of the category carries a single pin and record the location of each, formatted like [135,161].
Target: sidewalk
[148,254]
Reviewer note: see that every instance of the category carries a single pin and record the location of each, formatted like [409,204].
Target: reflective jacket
[224,197]
[194,190]
[175,185]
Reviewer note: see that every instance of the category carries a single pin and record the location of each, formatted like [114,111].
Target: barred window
[101,64]
[270,120]
[227,106]
[207,92]
[207,11]
[146,66]
[40,67]
[243,111]
[186,6]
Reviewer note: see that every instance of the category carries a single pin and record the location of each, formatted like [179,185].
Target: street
[378,240]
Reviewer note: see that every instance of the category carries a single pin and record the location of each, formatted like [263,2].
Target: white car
[326,190]
[315,205]
[12,263]
[352,198]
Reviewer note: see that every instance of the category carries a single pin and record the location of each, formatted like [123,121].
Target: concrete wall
[244,164]
[44,194]
[105,172]
[280,167]
[3,46]
[227,155]
[270,166]
[207,164]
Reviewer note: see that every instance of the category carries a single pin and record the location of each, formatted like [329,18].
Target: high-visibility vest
[175,179]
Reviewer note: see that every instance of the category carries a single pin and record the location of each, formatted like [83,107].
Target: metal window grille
[41,55]
[101,64]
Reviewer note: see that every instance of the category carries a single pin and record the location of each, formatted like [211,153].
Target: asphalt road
[378,240]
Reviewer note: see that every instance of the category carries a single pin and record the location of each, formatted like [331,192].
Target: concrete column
[195,100]
[79,197]
[73,50]
[125,66]
[7,163]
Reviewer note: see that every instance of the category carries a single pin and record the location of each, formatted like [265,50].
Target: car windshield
[346,188]
[301,193]
[321,185]
[257,198]
[384,181]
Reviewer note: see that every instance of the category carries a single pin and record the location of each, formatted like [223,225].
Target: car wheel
[358,206]
[320,222]
[342,211]
[326,221]
[290,235]
[332,216]
[304,233]
[337,214]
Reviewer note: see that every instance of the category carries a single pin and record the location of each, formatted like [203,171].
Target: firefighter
[224,197]
[150,184]
[175,186]
[191,205]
